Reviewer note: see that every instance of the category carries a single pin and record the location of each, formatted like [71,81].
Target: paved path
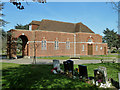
[45,61]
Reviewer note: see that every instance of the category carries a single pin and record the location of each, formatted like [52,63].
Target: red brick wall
[83,37]
[50,37]
[34,27]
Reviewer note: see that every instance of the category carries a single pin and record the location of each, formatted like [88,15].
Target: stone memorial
[56,63]
[65,67]
[68,67]
[100,75]
[83,71]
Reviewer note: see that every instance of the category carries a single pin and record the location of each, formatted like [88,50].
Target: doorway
[105,51]
[90,49]
[22,47]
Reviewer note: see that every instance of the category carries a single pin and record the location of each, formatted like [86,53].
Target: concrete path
[45,61]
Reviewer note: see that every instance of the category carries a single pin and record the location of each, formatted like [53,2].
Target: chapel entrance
[90,49]
[22,47]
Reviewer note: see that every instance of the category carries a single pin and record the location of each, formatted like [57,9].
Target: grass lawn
[96,57]
[65,58]
[112,69]
[40,76]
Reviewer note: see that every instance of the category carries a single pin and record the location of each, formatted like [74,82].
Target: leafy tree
[118,42]
[111,38]
[2,22]
[20,26]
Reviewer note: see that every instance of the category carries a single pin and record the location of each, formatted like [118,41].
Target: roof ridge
[56,21]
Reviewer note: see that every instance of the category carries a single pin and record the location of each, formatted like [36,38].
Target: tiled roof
[35,22]
[51,25]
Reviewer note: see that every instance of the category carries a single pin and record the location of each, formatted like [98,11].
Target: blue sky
[96,15]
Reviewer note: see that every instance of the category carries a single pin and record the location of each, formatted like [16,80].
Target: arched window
[89,40]
[44,47]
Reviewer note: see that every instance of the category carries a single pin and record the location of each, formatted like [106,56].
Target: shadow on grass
[38,76]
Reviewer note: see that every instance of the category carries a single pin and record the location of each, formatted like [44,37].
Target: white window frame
[56,45]
[67,44]
[96,47]
[44,45]
[83,47]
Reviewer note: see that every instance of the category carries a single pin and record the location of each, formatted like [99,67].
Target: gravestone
[65,67]
[104,72]
[83,71]
[100,75]
[68,66]
[56,63]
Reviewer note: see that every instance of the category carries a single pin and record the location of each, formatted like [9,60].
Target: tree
[111,38]
[20,26]
[21,7]
[2,22]
[116,7]
[118,43]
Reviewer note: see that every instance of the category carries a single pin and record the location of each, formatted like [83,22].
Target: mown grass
[112,69]
[40,76]
[96,57]
[37,76]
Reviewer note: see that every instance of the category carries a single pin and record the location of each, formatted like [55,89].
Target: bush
[114,51]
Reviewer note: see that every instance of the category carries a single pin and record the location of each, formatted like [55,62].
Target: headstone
[119,80]
[100,75]
[68,66]
[83,71]
[56,63]
[104,72]
[65,67]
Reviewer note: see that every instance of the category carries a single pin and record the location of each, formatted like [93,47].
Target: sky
[96,15]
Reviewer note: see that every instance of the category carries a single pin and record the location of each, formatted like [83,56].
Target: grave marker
[56,63]
[100,75]
[68,66]
[83,71]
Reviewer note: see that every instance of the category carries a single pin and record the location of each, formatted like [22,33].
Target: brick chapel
[56,38]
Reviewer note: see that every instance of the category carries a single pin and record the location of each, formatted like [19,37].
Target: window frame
[44,44]
[83,47]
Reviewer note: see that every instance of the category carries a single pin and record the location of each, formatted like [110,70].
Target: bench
[108,60]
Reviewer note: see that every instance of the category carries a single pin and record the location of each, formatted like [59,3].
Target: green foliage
[20,26]
[114,51]
[4,40]
[2,22]
[19,45]
[37,76]
[111,38]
